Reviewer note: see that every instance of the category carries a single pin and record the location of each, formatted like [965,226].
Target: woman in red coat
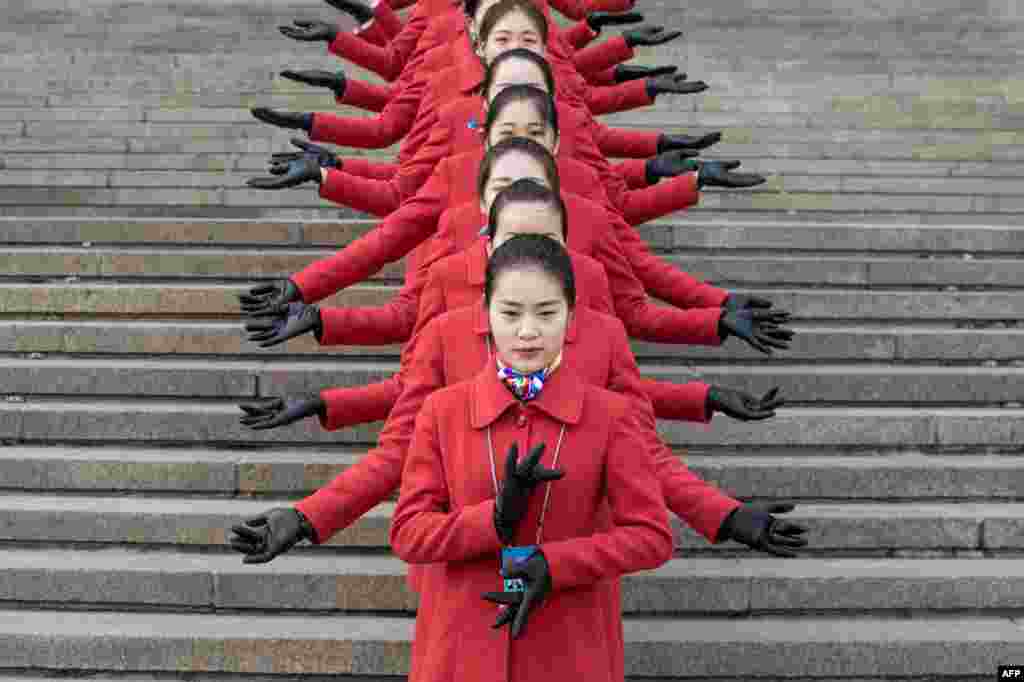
[602,519]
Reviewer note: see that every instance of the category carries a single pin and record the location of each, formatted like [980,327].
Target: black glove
[290,173]
[649,36]
[754,526]
[760,328]
[717,174]
[284,119]
[536,573]
[741,301]
[626,72]
[669,142]
[310,31]
[270,413]
[743,406]
[319,79]
[269,299]
[598,20]
[676,85]
[670,164]
[325,158]
[520,480]
[295,320]
[273,532]
[356,10]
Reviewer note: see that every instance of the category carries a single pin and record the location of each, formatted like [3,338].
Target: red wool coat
[604,519]
[453,348]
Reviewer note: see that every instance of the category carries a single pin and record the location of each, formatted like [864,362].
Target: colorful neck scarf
[526,387]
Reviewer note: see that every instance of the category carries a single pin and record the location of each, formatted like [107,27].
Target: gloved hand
[760,328]
[295,320]
[284,119]
[324,156]
[754,526]
[624,72]
[677,85]
[520,480]
[717,174]
[356,10]
[273,532]
[270,413]
[310,31]
[741,301]
[649,36]
[743,406]
[319,79]
[269,299]
[290,173]
[536,573]
[598,20]
[669,142]
[669,164]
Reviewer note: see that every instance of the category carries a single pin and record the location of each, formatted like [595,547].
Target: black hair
[502,9]
[526,146]
[518,53]
[532,250]
[525,191]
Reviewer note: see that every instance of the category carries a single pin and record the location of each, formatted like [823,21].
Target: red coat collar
[561,399]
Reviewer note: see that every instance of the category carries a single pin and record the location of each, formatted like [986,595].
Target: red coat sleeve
[415,171]
[369,132]
[611,5]
[632,171]
[662,279]
[701,505]
[424,528]
[364,168]
[386,21]
[376,197]
[622,97]
[424,120]
[413,222]
[372,479]
[388,62]
[642,319]
[683,402]
[640,537]
[606,77]
[602,56]
[377,325]
[368,96]
[351,406]
[374,33]
[571,9]
[625,142]
[639,206]
[579,35]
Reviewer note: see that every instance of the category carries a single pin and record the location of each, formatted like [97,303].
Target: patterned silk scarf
[526,387]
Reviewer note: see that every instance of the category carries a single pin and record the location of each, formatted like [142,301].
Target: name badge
[511,559]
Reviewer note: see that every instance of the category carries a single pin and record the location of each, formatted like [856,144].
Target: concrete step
[847,270]
[194,300]
[880,343]
[202,378]
[257,163]
[191,421]
[813,648]
[827,474]
[681,233]
[751,586]
[911,530]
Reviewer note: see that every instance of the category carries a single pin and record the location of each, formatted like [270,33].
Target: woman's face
[521,119]
[528,315]
[516,71]
[506,170]
[514,30]
[527,217]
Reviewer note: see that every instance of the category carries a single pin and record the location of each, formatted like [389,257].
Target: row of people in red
[544,309]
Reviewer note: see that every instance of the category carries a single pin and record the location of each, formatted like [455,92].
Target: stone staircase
[890,226]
